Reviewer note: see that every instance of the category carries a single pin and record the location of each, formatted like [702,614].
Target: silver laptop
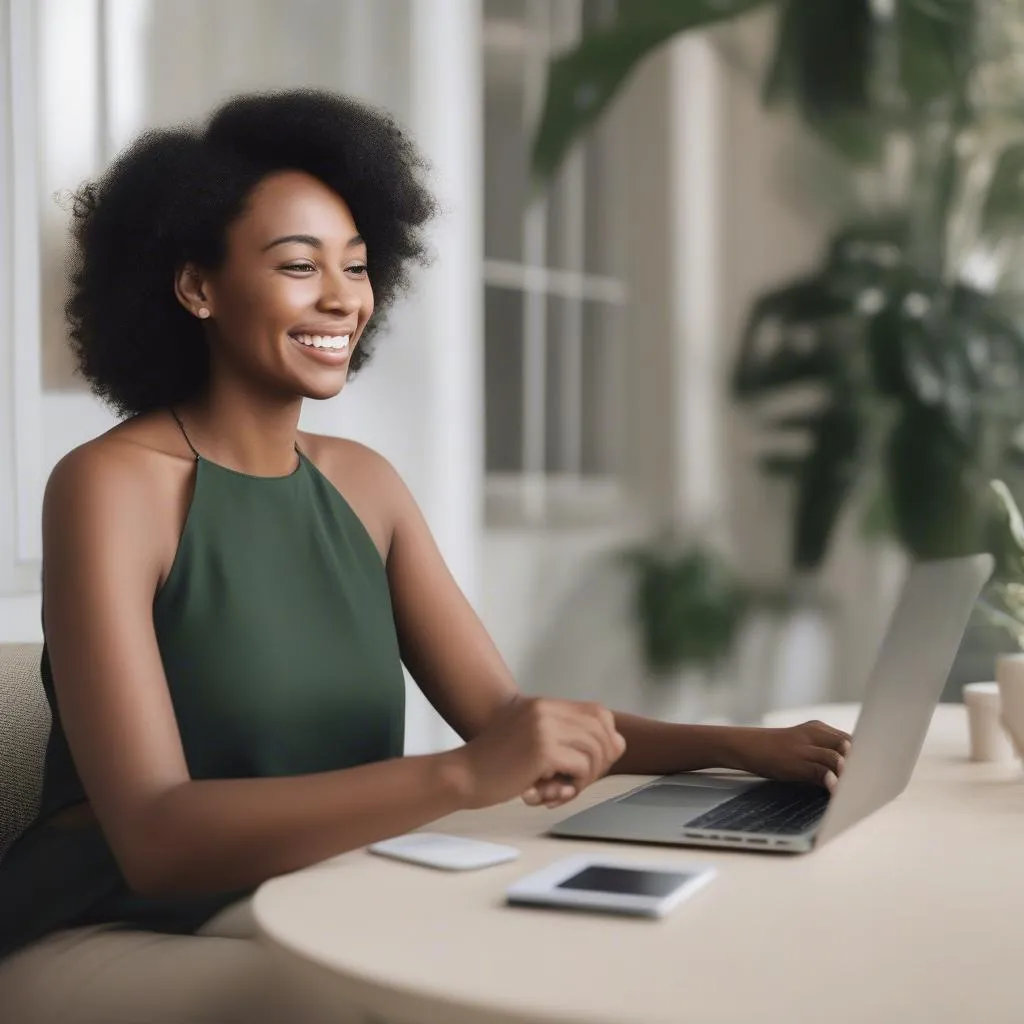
[696,809]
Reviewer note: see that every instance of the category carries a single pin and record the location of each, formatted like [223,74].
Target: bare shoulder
[121,464]
[349,457]
[365,479]
[101,469]
[126,477]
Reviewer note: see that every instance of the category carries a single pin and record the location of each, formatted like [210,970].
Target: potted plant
[910,330]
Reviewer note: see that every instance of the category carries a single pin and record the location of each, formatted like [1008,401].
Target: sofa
[24,730]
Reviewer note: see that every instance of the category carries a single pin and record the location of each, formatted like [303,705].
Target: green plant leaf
[785,466]
[1003,209]
[582,82]
[830,61]
[1005,533]
[780,82]
[966,358]
[689,605]
[878,520]
[793,421]
[822,56]
[940,376]
[822,64]
[784,342]
[933,193]
[935,45]
[811,331]
[857,138]
[826,480]
[885,352]
[870,330]
[826,62]
[938,505]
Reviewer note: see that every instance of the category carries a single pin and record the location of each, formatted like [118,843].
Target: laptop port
[753,839]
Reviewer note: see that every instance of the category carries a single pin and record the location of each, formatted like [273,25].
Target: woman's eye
[359,269]
[299,266]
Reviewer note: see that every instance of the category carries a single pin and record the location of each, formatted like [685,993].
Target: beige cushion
[24,730]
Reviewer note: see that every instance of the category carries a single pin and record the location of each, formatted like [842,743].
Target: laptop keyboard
[784,808]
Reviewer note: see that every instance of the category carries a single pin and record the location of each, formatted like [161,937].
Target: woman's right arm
[171,834]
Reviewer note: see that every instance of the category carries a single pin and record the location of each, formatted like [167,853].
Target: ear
[192,291]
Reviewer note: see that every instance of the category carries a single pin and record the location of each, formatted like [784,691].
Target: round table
[914,915]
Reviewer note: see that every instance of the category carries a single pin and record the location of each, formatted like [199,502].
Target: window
[553,290]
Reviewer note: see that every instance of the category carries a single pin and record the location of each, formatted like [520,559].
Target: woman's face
[291,301]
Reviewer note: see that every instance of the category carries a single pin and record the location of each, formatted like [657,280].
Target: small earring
[203,313]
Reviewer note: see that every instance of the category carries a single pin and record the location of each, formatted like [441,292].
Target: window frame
[537,495]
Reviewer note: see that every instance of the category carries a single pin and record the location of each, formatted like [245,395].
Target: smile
[332,343]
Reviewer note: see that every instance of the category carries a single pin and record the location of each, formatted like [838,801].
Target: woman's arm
[169,833]
[456,664]
[811,752]
[659,748]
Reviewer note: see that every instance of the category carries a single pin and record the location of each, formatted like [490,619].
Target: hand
[811,752]
[535,745]
[550,792]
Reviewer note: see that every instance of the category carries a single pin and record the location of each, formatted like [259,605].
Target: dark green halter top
[278,643]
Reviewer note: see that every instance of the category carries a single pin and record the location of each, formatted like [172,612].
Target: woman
[228,601]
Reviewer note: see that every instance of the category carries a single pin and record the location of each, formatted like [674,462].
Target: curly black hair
[169,198]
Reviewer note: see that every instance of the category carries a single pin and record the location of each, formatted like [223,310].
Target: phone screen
[625,881]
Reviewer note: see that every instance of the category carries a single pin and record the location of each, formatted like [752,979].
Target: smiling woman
[306,293]
[228,602]
[174,201]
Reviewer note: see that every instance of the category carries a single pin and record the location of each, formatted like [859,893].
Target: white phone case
[450,853]
[547,887]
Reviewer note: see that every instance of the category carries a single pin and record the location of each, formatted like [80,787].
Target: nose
[339,295]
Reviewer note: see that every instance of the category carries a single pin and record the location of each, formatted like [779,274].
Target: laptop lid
[910,671]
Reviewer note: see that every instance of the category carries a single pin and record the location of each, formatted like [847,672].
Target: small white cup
[1010,677]
[989,741]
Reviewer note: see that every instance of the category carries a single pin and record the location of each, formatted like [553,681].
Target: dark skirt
[57,877]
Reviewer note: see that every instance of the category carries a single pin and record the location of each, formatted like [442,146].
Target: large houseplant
[910,330]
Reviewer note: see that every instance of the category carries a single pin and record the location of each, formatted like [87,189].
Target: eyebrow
[311,240]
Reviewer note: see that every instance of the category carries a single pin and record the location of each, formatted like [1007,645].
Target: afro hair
[169,198]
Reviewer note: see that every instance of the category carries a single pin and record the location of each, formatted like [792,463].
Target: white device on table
[912,667]
[450,853]
[590,882]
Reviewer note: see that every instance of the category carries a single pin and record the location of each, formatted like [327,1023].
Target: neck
[247,432]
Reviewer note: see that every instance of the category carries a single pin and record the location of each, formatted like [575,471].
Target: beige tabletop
[915,915]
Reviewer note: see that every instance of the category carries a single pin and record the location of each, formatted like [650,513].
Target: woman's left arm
[811,752]
[458,667]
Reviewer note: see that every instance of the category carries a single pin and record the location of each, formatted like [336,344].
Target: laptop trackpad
[696,795]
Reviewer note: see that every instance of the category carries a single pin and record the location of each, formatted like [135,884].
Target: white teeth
[332,342]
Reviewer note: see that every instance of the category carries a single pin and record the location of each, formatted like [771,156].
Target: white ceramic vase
[1010,679]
